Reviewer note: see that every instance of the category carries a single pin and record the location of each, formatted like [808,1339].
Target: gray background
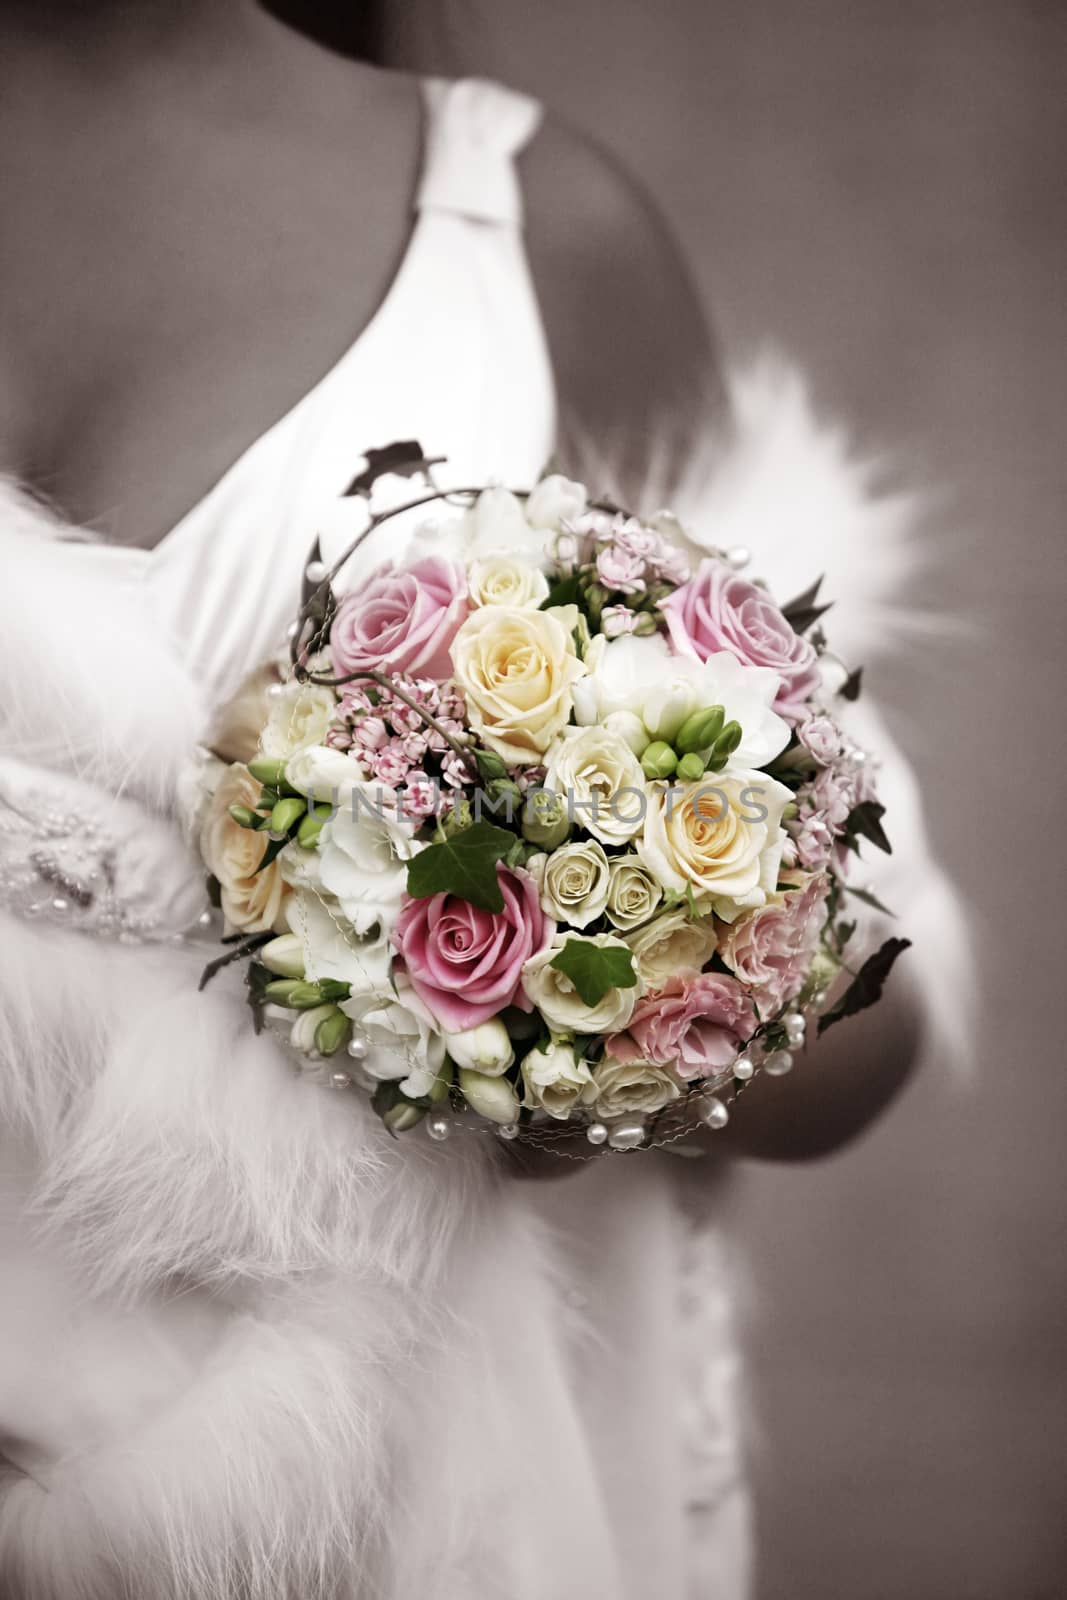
[877,188]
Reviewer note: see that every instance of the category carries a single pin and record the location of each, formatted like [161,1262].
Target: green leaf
[866,988]
[564,593]
[865,822]
[273,850]
[464,865]
[594,968]
[868,899]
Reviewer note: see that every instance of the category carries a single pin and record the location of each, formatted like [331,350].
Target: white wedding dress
[251,1348]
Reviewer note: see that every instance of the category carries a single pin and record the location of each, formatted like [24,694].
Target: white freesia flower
[403,1041]
[555,1079]
[332,950]
[632,1088]
[673,942]
[363,854]
[323,774]
[633,893]
[641,676]
[573,882]
[556,500]
[720,839]
[602,781]
[302,1032]
[503,579]
[485,1049]
[494,1098]
[559,1002]
[299,716]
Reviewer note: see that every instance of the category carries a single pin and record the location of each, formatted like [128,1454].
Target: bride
[248,1347]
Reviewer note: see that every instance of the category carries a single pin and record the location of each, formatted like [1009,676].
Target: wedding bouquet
[549,823]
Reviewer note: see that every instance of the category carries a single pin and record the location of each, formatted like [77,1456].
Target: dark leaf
[594,969]
[850,689]
[564,593]
[273,850]
[803,619]
[245,948]
[405,459]
[866,987]
[865,822]
[869,899]
[802,602]
[464,865]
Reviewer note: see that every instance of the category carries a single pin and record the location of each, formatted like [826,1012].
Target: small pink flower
[422,796]
[718,610]
[403,620]
[390,767]
[617,620]
[620,571]
[370,733]
[821,738]
[466,964]
[771,949]
[695,1024]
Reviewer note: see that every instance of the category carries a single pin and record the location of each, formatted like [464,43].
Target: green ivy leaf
[866,988]
[464,865]
[865,822]
[594,968]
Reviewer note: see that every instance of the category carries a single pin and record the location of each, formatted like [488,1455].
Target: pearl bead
[204,920]
[744,1068]
[738,556]
[778,1063]
[315,571]
[340,1080]
[795,1028]
[714,1114]
[596,1133]
[508,1130]
[438,1128]
[357,1048]
[627,1136]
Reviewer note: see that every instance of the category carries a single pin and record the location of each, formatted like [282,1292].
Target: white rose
[556,500]
[721,838]
[252,900]
[556,1080]
[632,1088]
[602,781]
[299,715]
[323,774]
[573,882]
[332,949]
[672,942]
[562,1007]
[403,1041]
[633,893]
[516,670]
[363,854]
[501,579]
[641,676]
[486,1048]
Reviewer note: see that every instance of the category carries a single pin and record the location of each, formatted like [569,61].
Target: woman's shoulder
[631,344]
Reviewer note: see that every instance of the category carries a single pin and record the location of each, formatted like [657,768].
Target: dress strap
[475,129]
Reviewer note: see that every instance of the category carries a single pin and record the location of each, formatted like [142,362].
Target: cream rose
[516,669]
[632,1088]
[299,715]
[633,893]
[559,1002]
[601,779]
[556,1080]
[573,882]
[251,901]
[500,579]
[721,838]
[672,942]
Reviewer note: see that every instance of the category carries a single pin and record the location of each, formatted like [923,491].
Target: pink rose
[771,949]
[718,610]
[466,964]
[404,620]
[694,1024]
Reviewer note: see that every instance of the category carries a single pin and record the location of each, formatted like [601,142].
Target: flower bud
[302,996]
[691,768]
[268,771]
[244,816]
[544,819]
[442,1083]
[645,625]
[700,731]
[666,709]
[494,1098]
[285,815]
[490,765]
[284,955]
[332,1032]
[659,760]
[485,1049]
[402,1116]
[279,991]
[307,835]
[630,728]
[302,1033]
[728,741]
